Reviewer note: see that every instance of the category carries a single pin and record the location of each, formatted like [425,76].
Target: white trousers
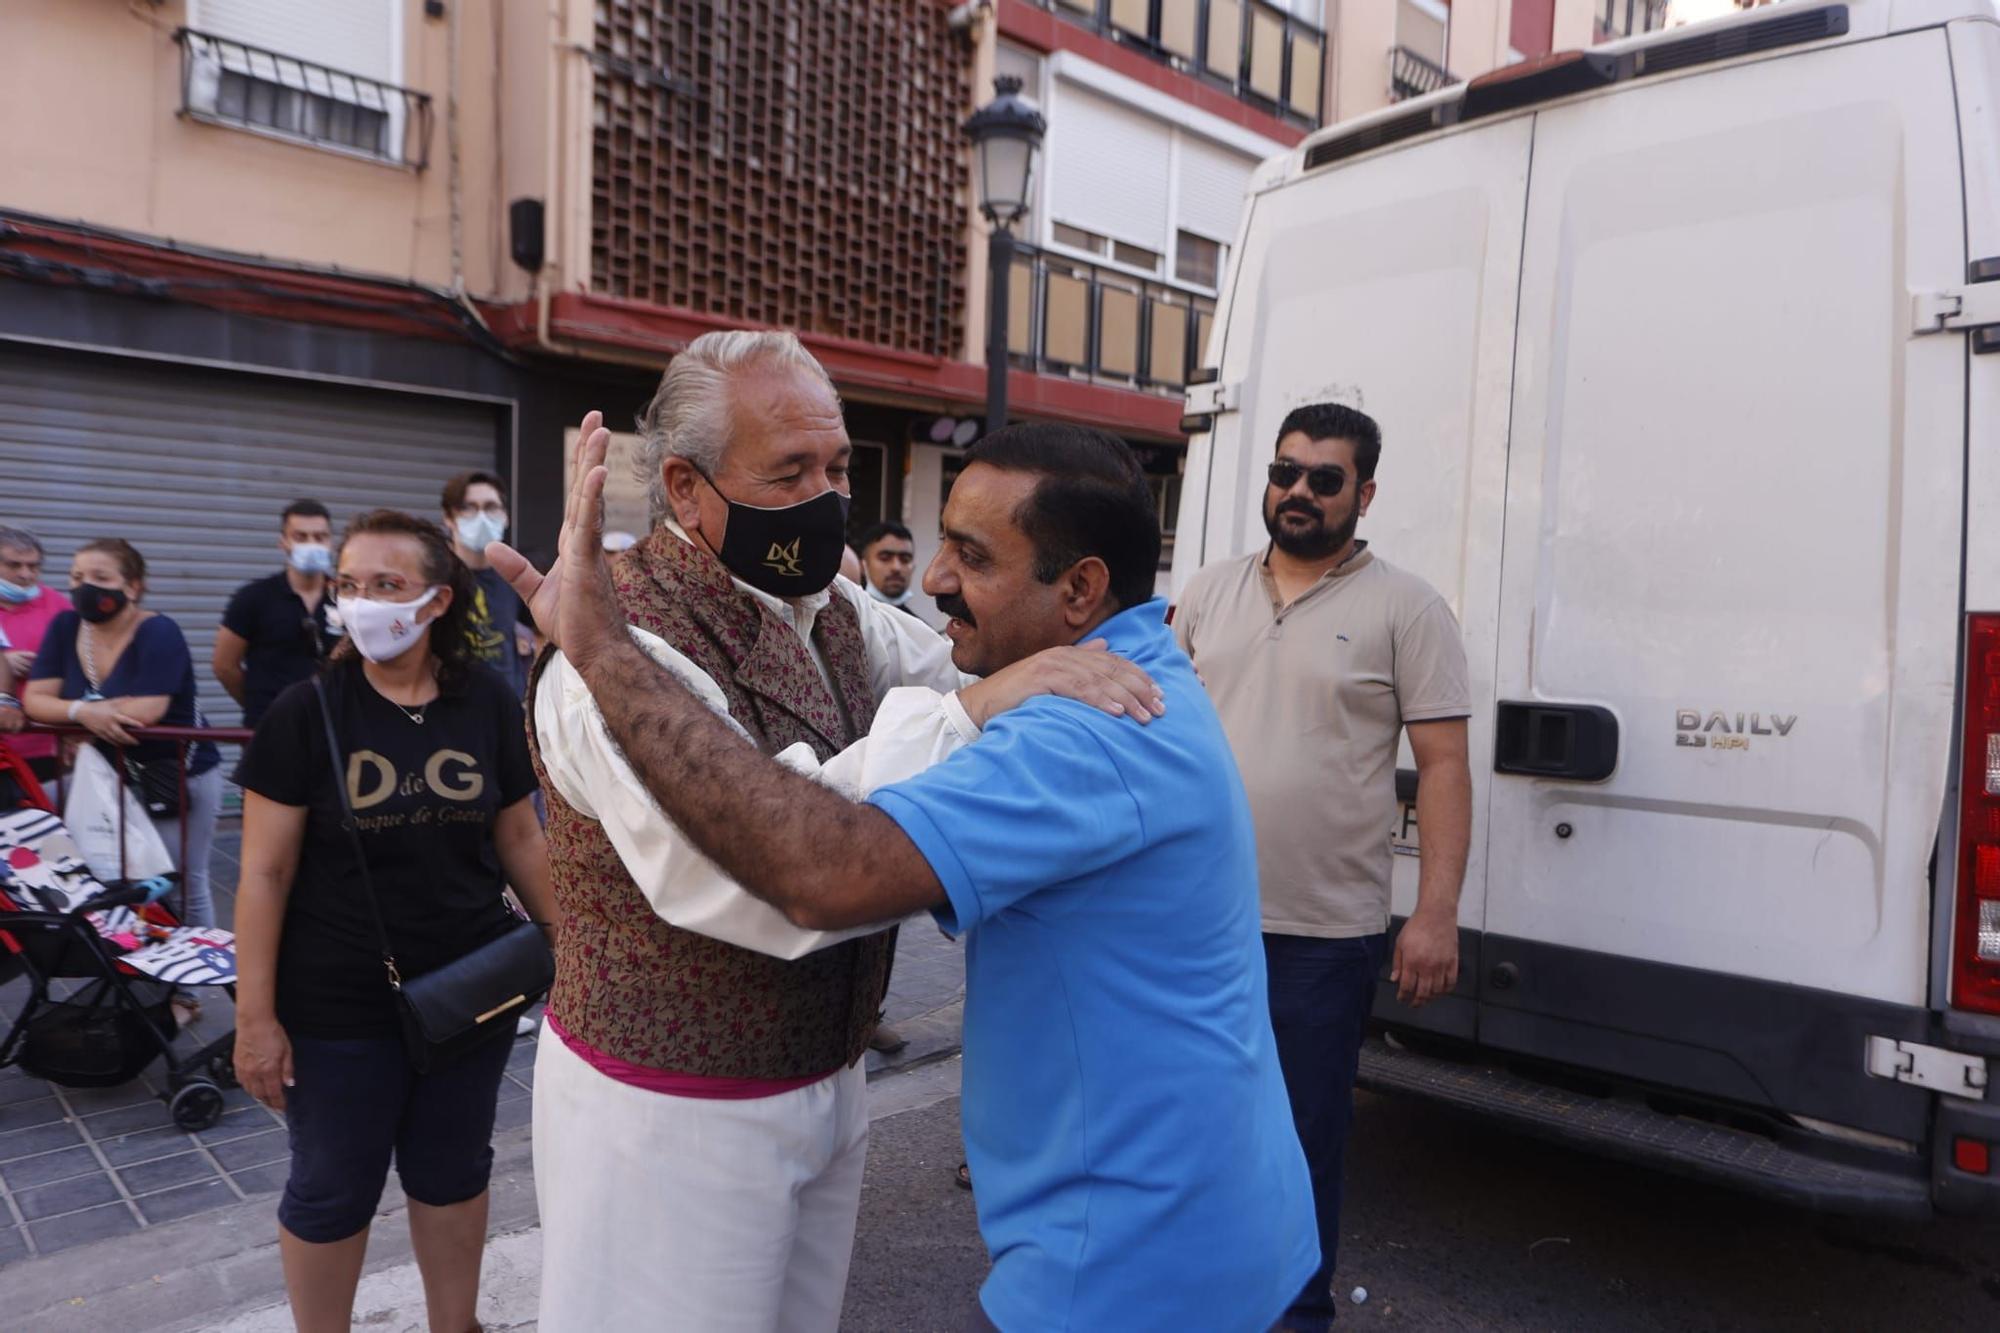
[682,1213]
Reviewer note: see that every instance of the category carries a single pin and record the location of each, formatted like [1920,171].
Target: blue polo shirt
[1125,1117]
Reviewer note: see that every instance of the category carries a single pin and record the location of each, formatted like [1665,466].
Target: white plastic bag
[91,811]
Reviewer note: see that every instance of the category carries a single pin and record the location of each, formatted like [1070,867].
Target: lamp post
[1005,135]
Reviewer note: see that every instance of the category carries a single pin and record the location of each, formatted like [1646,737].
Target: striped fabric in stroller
[41,871]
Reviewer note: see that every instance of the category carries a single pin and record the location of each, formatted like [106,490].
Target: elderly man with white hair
[700,1105]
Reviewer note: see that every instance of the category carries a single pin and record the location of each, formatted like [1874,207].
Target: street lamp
[1005,134]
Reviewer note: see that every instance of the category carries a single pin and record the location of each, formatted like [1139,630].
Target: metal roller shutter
[192,466]
[1213,184]
[1108,168]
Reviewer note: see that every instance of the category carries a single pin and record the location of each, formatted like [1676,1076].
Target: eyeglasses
[492,507]
[1324,481]
[381,588]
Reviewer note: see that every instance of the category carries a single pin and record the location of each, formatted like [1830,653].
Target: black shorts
[356,1102]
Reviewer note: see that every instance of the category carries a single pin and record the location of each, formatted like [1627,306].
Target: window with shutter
[322,74]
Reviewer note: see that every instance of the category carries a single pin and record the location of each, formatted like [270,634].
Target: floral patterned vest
[632,986]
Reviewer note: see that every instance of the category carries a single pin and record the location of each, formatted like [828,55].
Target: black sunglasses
[1324,481]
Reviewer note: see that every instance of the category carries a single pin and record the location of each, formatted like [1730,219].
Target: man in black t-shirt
[278,629]
[475,514]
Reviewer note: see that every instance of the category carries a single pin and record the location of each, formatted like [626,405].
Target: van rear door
[1732,527]
[1387,283]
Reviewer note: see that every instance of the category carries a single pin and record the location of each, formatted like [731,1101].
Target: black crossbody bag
[452,1009]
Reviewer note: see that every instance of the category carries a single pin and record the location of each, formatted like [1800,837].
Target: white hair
[689,415]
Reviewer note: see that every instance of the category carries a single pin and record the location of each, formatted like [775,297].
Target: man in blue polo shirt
[1125,1117]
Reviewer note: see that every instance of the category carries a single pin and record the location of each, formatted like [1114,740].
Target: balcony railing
[1072,317]
[1258,52]
[225,82]
[1413,75]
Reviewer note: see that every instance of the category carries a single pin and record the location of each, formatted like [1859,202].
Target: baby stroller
[59,922]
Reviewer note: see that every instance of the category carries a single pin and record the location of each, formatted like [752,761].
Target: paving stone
[66,1196]
[90,1101]
[234,1099]
[266,1179]
[183,1169]
[13,1244]
[160,1142]
[48,1166]
[27,1114]
[40,1139]
[514,1114]
[186,1201]
[60,1233]
[256,1150]
[18,1087]
[237,1124]
[127,1120]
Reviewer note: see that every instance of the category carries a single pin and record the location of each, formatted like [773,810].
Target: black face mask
[96,604]
[790,552]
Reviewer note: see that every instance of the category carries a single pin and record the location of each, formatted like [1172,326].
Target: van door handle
[1575,742]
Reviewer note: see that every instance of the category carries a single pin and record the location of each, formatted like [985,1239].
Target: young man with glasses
[475,516]
[1319,655]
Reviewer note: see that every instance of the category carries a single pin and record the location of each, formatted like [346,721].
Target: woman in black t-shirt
[437,771]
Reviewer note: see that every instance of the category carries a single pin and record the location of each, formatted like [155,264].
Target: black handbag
[157,784]
[451,1009]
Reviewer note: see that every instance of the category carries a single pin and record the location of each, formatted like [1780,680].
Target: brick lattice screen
[804,169]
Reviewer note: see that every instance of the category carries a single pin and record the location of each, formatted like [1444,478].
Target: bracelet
[9,701]
[76,708]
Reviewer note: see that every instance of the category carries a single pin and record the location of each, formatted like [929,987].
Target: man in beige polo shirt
[1319,654]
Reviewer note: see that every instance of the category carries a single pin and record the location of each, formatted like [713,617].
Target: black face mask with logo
[98,604]
[789,552]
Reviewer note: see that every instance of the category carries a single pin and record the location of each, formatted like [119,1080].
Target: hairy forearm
[824,861]
[1444,823]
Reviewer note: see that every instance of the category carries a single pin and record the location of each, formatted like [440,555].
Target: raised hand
[572,604]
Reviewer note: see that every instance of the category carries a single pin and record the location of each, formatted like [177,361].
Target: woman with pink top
[26,610]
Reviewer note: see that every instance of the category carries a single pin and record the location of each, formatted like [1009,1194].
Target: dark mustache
[1299,507]
[955,606]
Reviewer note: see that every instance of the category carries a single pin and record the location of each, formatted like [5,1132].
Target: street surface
[1454,1226]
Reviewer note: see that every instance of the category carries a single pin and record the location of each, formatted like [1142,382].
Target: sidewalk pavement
[110,1217]
[219,1271]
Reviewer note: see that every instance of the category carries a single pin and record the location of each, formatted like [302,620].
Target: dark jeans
[357,1102]
[1321,994]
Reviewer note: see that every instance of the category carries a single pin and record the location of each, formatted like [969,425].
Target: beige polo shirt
[1314,696]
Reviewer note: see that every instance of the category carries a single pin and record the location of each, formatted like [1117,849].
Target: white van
[1678,348]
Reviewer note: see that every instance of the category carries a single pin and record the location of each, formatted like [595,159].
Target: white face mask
[383,631]
[311,558]
[477,530]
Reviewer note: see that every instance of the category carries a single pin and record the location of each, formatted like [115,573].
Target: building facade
[237,247]
[345,250]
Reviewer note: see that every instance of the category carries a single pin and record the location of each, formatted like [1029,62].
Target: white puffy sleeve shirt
[918,721]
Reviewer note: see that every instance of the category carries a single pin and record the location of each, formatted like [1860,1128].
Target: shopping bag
[92,815]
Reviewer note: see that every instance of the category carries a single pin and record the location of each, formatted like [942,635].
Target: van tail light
[1975,954]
